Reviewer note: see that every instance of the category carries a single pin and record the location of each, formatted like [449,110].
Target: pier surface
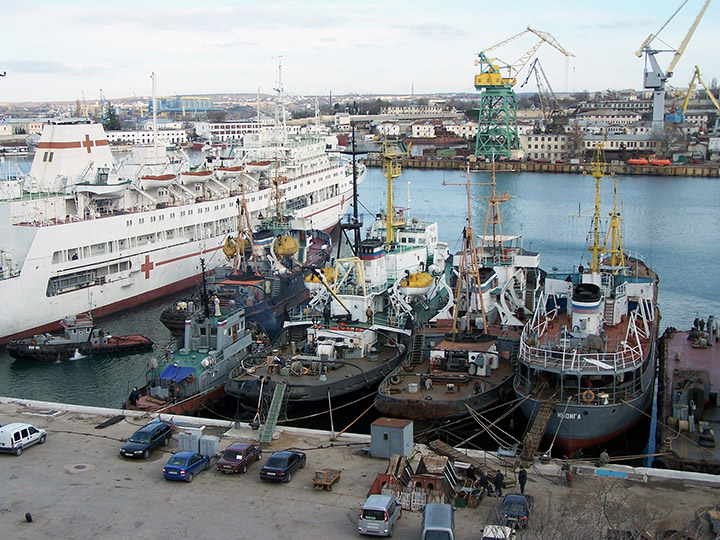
[77,486]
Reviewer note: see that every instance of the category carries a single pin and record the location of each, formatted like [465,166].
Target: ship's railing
[559,355]
[545,388]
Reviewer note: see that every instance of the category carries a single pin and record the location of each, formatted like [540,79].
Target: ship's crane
[497,122]
[655,77]
[554,118]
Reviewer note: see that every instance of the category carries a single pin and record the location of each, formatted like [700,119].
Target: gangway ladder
[273,414]
[417,345]
[532,439]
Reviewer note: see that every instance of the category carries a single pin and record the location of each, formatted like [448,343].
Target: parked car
[146,439]
[15,437]
[185,465]
[378,515]
[515,510]
[281,466]
[236,457]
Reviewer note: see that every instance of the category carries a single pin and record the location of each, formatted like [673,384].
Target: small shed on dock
[391,436]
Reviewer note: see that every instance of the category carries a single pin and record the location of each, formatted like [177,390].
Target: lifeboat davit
[416,284]
[157,181]
[191,177]
[660,162]
[286,246]
[637,161]
[313,282]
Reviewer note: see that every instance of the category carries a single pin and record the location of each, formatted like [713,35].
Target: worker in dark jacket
[522,478]
[498,481]
[485,483]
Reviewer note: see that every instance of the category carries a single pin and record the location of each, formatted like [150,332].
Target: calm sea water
[673,222]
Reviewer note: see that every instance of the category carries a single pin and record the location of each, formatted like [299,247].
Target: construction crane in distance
[554,118]
[697,78]
[497,121]
[655,77]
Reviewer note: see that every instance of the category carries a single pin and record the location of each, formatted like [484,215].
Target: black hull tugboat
[190,375]
[463,366]
[80,337]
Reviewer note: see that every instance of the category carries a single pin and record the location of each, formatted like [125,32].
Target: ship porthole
[585,413]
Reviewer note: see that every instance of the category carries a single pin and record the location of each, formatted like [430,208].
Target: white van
[15,437]
[438,522]
[378,515]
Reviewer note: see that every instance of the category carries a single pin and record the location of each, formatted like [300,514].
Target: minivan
[15,437]
[438,522]
[378,515]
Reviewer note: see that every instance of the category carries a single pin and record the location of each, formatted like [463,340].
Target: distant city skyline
[62,51]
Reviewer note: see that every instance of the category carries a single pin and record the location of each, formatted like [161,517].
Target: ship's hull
[453,408]
[139,262]
[578,426]
[29,349]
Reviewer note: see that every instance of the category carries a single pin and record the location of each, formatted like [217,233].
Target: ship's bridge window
[122,243]
[97,249]
[72,254]
[57,257]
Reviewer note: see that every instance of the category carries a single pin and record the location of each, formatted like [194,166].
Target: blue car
[185,465]
[280,466]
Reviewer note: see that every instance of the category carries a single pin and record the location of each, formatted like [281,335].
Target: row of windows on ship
[192,232]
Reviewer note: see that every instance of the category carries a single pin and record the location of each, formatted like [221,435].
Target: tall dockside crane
[655,77]
[698,78]
[497,121]
[554,117]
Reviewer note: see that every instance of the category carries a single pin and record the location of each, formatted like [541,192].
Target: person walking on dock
[498,481]
[522,478]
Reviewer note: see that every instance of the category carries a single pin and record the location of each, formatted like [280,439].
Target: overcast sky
[58,50]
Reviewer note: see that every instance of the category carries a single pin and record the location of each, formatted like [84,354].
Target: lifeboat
[416,284]
[313,281]
[157,181]
[637,161]
[230,246]
[258,166]
[228,172]
[660,162]
[286,246]
[191,177]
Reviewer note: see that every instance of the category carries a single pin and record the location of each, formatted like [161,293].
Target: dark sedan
[281,466]
[236,457]
[515,510]
[146,439]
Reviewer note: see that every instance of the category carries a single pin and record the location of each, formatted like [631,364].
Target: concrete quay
[77,486]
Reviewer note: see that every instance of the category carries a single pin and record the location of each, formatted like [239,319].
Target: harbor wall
[703,171]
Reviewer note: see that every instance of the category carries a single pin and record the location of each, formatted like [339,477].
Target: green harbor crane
[497,120]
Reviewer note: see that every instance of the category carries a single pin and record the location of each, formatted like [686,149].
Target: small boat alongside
[193,370]
[80,337]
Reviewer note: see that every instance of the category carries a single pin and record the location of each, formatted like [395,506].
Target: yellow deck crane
[497,121]
[655,77]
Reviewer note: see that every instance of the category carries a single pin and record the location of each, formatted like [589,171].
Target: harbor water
[673,222]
